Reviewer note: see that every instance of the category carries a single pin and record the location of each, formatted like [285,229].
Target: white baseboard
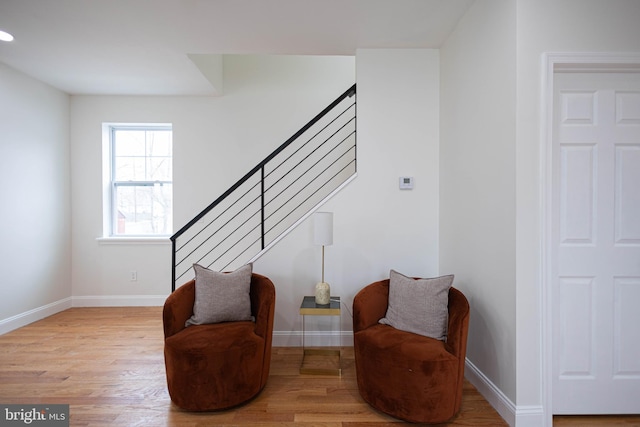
[496,398]
[520,416]
[23,319]
[119,301]
[530,416]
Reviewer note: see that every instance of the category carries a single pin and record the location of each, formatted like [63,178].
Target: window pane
[159,169]
[143,210]
[130,169]
[129,142]
[141,156]
[158,143]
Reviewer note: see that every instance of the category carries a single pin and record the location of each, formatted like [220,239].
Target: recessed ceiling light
[5,37]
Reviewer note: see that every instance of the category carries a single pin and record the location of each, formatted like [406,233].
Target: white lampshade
[323,228]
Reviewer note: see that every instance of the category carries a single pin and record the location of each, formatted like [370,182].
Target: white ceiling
[145,46]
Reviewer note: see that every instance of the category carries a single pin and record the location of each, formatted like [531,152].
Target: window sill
[134,240]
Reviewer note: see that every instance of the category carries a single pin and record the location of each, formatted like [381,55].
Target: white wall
[35,254]
[216,141]
[477,192]
[478,130]
[377,227]
[549,26]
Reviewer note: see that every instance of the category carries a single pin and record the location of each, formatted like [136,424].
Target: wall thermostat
[406,183]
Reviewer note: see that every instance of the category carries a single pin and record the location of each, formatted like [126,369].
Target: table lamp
[323,235]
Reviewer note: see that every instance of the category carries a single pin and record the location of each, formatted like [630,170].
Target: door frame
[600,62]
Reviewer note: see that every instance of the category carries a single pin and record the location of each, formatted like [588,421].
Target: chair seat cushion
[215,337]
[392,342]
[214,366]
[405,374]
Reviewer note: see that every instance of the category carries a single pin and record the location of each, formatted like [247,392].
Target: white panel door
[596,235]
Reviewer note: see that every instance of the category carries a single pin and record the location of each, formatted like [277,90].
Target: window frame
[112,184]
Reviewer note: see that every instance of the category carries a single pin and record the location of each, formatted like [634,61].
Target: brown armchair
[408,376]
[217,366]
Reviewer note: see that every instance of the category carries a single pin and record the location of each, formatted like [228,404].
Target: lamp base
[323,293]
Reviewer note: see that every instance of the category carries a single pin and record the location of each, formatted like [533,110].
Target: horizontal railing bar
[311,181]
[216,232]
[274,212]
[270,244]
[228,235]
[221,213]
[313,151]
[245,250]
[239,240]
[223,240]
[214,204]
[311,139]
[312,166]
[348,93]
[309,197]
[293,210]
[275,225]
[305,216]
[279,222]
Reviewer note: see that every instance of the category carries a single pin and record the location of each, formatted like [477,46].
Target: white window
[140,180]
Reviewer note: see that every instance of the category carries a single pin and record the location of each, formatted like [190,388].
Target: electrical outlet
[134,276]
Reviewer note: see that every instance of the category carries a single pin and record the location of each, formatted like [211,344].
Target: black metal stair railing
[274,196]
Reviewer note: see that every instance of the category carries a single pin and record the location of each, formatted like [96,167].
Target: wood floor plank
[597,420]
[107,363]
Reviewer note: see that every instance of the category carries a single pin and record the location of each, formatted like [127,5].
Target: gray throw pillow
[221,297]
[420,306]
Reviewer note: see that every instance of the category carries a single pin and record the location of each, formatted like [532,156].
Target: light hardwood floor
[107,364]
